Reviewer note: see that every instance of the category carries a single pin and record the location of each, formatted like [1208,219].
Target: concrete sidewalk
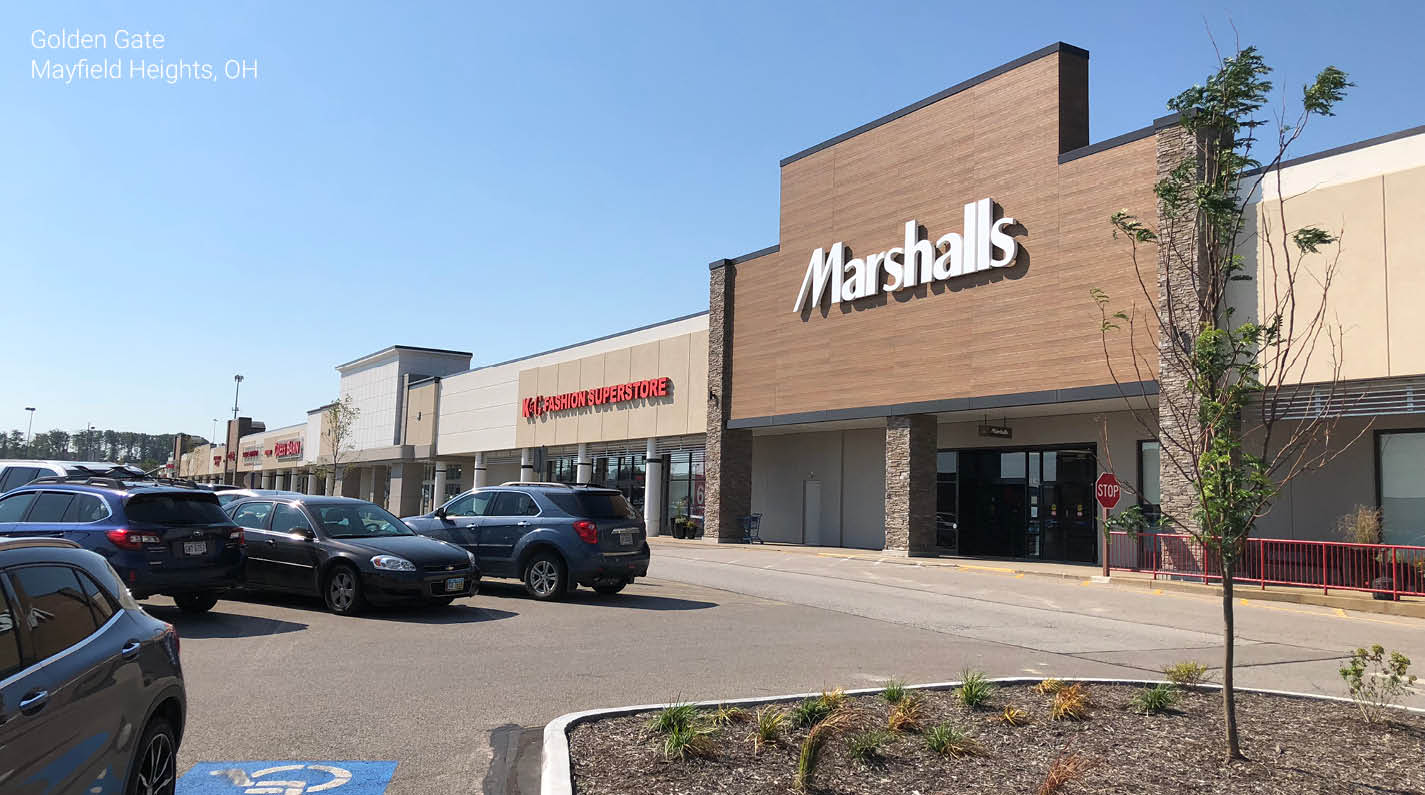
[1084,573]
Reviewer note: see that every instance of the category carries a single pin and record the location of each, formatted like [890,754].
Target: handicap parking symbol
[287,778]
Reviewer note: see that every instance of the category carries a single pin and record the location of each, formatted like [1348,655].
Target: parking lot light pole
[237,384]
[30,433]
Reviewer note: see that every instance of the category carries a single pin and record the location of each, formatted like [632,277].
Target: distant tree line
[146,450]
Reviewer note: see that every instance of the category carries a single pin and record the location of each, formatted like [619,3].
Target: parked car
[15,472]
[232,495]
[550,535]
[349,552]
[220,487]
[91,690]
[161,539]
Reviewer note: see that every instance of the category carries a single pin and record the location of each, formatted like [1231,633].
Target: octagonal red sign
[1107,491]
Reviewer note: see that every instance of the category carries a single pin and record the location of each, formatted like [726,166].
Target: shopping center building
[916,364]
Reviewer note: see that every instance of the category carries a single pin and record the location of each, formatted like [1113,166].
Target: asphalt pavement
[455,696]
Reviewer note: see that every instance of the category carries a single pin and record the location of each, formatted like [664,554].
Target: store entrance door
[1026,503]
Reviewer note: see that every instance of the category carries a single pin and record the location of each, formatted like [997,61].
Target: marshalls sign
[985,244]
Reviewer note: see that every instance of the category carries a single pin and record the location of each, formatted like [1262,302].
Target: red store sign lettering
[288,449]
[618,393]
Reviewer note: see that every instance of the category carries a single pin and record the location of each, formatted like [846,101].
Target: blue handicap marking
[287,778]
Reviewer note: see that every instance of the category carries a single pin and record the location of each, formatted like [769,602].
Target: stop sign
[1107,491]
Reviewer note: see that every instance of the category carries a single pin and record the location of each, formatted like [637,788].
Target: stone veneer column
[1180,254]
[910,484]
[728,470]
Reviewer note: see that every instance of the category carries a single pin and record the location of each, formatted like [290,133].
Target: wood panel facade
[1028,327]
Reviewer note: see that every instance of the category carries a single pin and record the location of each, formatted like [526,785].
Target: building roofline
[933,98]
[577,344]
[1343,149]
[393,348]
[310,412]
[1119,140]
[761,252]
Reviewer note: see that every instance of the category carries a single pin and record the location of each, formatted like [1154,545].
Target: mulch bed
[1293,746]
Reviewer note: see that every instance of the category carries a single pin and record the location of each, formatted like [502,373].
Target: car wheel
[200,602]
[545,577]
[342,591]
[609,589]
[155,770]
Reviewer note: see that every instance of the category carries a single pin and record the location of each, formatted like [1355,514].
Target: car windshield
[359,521]
[175,509]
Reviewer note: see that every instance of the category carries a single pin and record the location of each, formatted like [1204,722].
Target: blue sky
[500,178]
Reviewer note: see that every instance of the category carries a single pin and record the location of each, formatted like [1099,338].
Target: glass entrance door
[1024,503]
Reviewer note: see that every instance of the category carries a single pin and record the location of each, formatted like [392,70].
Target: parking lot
[446,694]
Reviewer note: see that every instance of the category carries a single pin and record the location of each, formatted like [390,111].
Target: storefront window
[1149,493]
[946,500]
[1035,503]
[686,490]
[1401,462]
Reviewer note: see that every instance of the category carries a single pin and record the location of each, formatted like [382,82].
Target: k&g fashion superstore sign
[984,244]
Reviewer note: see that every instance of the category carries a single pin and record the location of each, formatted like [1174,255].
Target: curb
[556,777]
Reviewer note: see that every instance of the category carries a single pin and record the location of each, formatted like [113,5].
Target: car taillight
[588,531]
[131,539]
[236,535]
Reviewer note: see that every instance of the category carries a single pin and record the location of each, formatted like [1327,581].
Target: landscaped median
[988,735]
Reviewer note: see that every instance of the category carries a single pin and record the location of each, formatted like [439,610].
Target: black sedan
[350,552]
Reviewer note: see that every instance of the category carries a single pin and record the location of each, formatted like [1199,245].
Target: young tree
[338,439]
[1229,419]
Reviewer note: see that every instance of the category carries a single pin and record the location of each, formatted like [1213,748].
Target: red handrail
[1393,569]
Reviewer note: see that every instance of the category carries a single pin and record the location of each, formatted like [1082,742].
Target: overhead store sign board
[583,398]
[985,244]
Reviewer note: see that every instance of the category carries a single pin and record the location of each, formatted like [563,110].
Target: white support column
[267,480]
[583,465]
[478,478]
[527,465]
[312,482]
[652,489]
[437,492]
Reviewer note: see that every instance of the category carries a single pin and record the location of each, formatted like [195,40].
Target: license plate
[455,584]
[625,539]
[195,547]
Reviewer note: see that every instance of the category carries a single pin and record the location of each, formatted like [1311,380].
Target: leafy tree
[1230,426]
[338,439]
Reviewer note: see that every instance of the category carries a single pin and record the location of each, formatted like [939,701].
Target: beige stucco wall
[681,358]
[420,413]
[1374,199]
[263,444]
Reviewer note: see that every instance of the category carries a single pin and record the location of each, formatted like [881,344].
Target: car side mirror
[304,533]
[440,512]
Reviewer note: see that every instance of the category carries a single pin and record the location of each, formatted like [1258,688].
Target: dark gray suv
[91,692]
[550,535]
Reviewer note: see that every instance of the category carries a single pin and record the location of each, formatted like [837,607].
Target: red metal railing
[1374,568]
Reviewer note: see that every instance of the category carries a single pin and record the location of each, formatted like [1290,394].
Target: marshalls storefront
[917,365]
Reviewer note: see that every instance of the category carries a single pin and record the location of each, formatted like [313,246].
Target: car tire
[546,578]
[341,590]
[155,767]
[195,603]
[609,589]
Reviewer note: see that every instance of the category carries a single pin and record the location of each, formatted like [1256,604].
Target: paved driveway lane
[446,693]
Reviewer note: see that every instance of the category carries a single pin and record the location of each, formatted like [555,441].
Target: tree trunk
[1229,642]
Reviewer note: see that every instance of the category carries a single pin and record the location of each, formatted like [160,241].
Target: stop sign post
[1107,491]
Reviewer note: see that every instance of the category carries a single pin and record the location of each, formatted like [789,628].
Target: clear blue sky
[502,178]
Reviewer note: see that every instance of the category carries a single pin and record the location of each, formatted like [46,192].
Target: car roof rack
[537,483]
[83,480]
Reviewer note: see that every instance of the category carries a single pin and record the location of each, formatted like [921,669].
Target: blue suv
[160,539]
[552,536]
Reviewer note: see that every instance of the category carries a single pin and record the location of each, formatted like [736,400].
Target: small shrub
[685,741]
[867,746]
[1065,769]
[809,712]
[815,739]
[833,699]
[1360,526]
[726,716]
[1049,687]
[1186,674]
[1014,716]
[672,718]
[894,692]
[1155,699]
[975,689]
[952,740]
[908,715]
[1070,703]
[1375,682]
[768,724]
